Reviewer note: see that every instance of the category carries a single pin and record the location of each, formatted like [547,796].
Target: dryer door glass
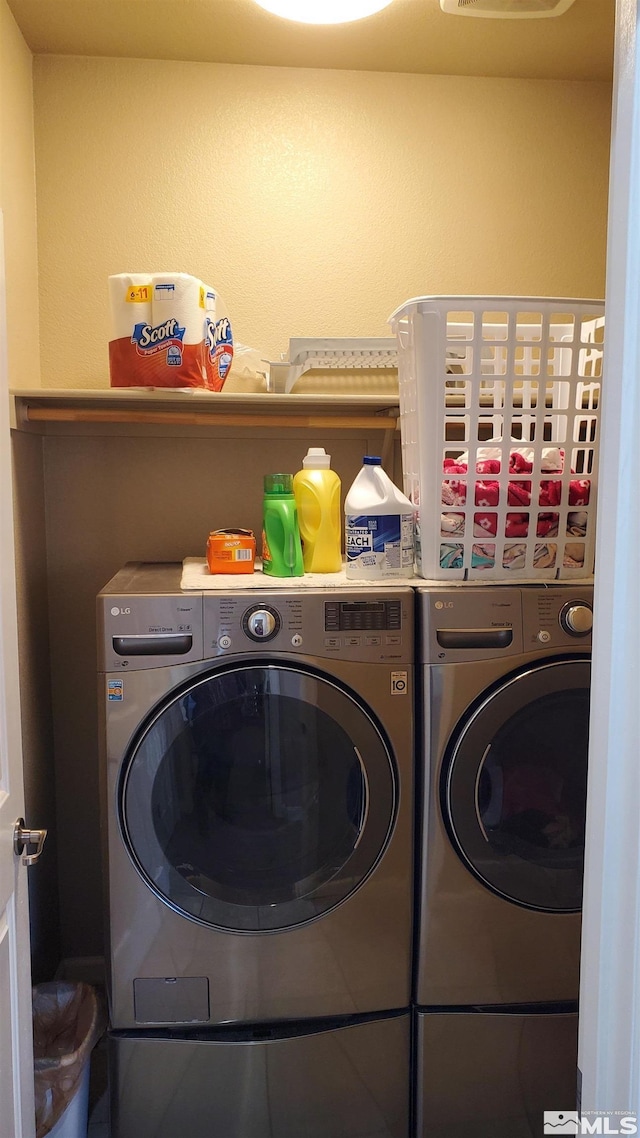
[258,798]
[515,783]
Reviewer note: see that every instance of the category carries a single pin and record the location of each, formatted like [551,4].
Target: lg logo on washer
[444,604]
[115,611]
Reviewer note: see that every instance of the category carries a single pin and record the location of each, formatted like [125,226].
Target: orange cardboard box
[231,551]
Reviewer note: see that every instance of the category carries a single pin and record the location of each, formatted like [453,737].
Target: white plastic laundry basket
[499,418]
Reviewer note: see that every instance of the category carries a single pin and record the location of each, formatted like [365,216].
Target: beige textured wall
[315,201]
[18,203]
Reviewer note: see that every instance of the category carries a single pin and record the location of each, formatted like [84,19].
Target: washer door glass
[515,784]
[258,798]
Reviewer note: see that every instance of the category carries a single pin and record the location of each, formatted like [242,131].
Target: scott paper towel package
[167,330]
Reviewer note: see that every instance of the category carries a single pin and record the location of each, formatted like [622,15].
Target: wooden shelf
[36,408]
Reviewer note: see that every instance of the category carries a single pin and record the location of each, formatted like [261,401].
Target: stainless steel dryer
[505,718]
[257,776]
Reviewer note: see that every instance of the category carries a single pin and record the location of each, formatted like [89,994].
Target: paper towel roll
[180,297]
[168,330]
[218,347]
[130,296]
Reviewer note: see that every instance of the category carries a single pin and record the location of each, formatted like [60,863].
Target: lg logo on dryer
[443,604]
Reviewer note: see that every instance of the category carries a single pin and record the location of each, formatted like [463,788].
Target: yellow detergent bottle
[317,492]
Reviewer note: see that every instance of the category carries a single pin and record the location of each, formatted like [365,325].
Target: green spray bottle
[281,546]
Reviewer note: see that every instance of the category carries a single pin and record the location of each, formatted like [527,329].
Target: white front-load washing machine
[257,776]
[504,722]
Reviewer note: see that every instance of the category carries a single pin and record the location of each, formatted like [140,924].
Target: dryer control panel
[467,623]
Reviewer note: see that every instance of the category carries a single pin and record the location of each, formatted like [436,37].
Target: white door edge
[609,1036]
[16,1049]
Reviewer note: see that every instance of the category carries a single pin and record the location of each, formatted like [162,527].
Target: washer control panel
[138,632]
[145,620]
[313,623]
[381,615]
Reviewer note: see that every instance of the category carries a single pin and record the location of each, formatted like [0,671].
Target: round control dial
[576,618]
[261,623]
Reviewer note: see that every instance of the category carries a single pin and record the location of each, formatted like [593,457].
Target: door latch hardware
[23,838]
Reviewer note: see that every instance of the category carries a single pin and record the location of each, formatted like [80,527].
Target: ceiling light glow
[323,11]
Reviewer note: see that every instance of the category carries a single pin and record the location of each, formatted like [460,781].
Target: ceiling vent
[506,9]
